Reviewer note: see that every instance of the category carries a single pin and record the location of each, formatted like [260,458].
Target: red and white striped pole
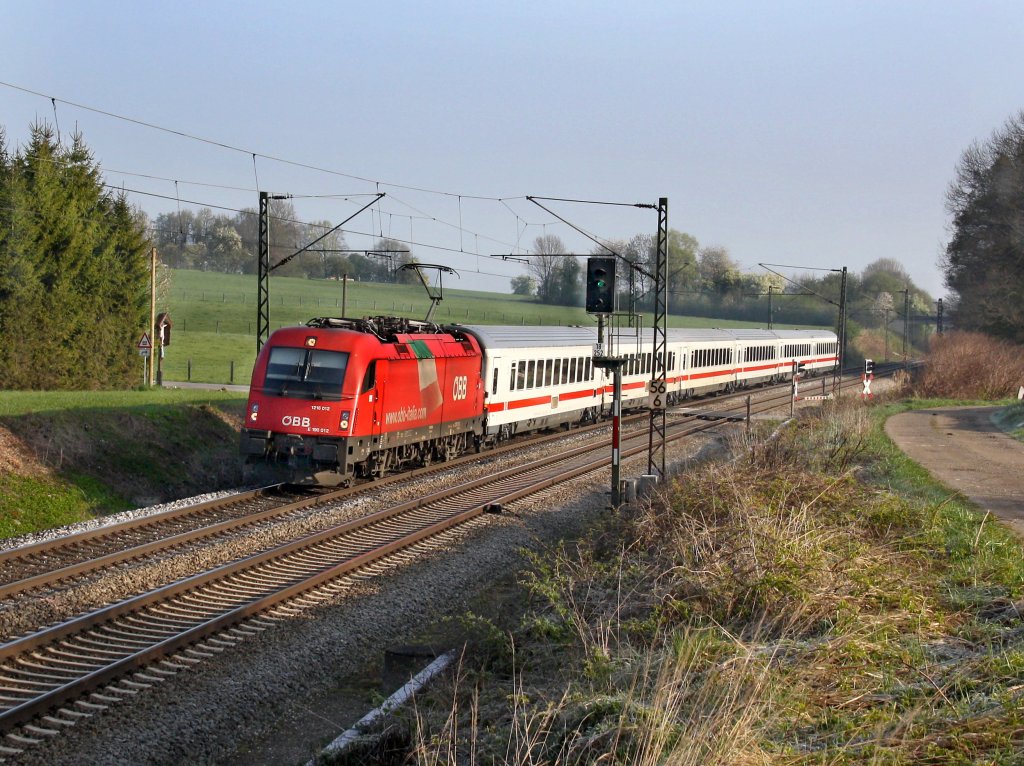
[866,377]
[616,413]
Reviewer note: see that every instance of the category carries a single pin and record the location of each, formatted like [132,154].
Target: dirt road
[961,448]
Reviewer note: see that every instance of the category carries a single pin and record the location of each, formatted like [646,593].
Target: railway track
[69,559]
[63,561]
[52,677]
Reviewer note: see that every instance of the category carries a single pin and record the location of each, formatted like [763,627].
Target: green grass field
[14,403]
[214,316]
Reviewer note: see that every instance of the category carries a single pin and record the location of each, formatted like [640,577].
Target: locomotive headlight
[254,411]
[343,425]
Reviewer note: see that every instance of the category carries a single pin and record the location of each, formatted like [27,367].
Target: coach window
[588,372]
[529,374]
[494,382]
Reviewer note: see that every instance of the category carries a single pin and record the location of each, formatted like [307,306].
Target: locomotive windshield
[303,373]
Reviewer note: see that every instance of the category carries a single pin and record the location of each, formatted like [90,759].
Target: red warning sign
[144,341]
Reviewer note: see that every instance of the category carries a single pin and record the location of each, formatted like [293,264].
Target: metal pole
[885,331]
[793,387]
[616,413]
[263,273]
[770,307]
[837,381]
[748,409]
[906,324]
[656,432]
[344,293]
[152,309]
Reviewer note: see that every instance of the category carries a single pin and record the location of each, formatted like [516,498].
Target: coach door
[491,386]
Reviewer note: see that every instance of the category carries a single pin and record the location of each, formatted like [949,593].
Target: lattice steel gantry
[656,436]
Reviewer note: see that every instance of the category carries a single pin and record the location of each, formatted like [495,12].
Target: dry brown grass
[17,457]
[776,610]
[964,365]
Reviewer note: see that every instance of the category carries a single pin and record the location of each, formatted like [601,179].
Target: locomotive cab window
[303,373]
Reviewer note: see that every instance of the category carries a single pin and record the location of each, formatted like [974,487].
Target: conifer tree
[72,272]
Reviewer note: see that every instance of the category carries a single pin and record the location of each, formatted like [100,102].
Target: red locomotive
[339,398]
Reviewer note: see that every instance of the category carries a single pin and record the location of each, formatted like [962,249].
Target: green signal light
[600,283]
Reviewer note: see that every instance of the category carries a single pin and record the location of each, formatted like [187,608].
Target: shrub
[970,365]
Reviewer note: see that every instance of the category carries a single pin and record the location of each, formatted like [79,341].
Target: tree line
[74,269]
[209,241]
[983,261]
[706,281]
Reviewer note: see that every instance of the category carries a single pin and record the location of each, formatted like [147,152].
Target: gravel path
[278,696]
[962,448]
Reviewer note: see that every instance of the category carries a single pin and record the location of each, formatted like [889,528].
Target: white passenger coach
[544,377]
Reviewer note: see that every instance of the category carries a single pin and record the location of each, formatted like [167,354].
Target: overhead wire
[232,147]
[308,166]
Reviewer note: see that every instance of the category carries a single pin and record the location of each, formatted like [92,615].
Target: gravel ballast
[279,695]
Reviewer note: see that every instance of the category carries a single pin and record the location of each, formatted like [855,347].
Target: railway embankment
[820,599]
[67,458]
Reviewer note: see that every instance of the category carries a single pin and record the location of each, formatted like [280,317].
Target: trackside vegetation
[73,269]
[971,365]
[818,600]
[68,456]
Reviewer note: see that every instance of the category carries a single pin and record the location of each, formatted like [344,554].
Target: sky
[814,134]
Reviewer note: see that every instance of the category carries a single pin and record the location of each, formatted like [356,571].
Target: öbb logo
[295,420]
[460,387]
